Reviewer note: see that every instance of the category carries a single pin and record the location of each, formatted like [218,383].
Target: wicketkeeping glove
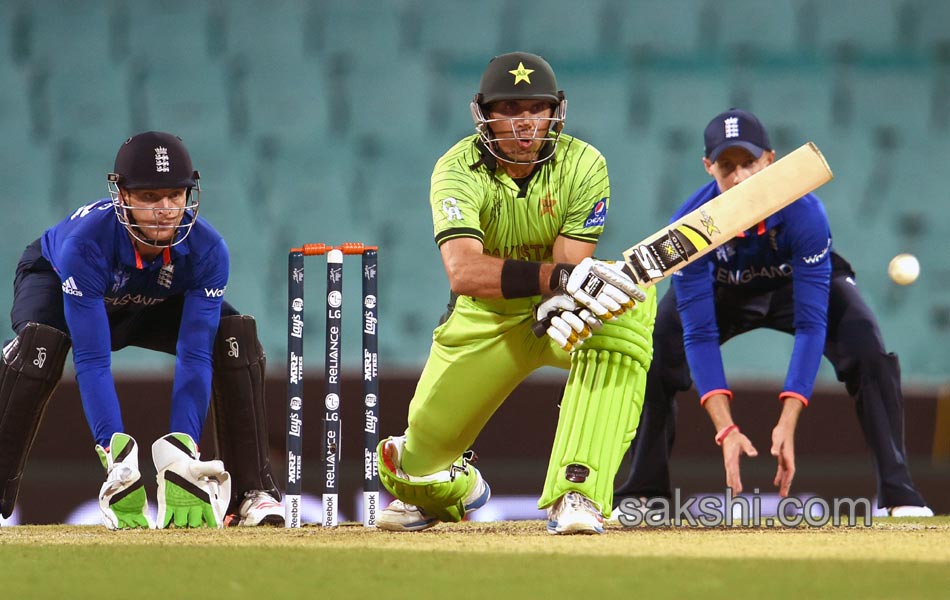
[604,288]
[566,322]
[122,497]
[191,492]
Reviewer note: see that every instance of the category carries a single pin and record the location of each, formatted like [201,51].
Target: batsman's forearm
[482,277]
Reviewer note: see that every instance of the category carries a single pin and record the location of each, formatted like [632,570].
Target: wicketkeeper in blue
[142,269]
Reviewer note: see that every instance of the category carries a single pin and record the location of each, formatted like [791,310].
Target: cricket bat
[724,217]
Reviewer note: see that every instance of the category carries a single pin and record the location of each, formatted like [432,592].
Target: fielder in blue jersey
[142,269]
[782,274]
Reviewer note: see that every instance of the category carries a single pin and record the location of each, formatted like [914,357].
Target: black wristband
[560,275]
[519,279]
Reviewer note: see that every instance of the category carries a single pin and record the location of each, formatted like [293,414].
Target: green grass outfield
[895,558]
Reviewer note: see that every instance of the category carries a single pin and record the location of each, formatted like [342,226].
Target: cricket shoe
[909,511]
[402,516]
[257,508]
[574,513]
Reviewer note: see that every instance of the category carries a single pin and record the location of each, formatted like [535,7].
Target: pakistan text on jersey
[747,275]
[523,252]
[140,299]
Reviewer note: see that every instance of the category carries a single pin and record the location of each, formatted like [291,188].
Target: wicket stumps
[334,346]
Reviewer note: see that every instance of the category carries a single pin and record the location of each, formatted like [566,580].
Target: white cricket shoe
[574,513]
[909,511]
[258,508]
[400,516]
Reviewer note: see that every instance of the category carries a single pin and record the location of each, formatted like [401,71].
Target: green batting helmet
[518,76]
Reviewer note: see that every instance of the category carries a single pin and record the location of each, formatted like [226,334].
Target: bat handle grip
[540,328]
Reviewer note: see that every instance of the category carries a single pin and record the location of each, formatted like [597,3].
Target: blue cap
[735,128]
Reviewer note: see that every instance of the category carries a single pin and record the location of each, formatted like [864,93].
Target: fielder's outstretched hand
[734,446]
[604,288]
[783,449]
[191,492]
[566,322]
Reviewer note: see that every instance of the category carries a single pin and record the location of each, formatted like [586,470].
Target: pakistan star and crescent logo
[547,206]
[521,74]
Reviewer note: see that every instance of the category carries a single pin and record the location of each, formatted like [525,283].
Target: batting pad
[441,494]
[601,406]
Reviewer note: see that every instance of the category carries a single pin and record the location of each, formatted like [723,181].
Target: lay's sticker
[598,214]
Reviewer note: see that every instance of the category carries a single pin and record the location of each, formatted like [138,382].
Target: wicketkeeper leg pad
[600,409]
[30,370]
[444,495]
[238,408]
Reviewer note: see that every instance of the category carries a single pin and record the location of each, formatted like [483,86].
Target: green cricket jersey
[485,347]
[567,195]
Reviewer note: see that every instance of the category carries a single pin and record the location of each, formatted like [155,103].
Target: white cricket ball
[903,269]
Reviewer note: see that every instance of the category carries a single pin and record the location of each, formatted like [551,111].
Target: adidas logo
[69,287]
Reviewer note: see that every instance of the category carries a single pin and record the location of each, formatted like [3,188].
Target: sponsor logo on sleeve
[817,258]
[451,209]
[69,287]
[215,292]
[598,214]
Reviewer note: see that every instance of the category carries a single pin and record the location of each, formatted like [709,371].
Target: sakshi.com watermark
[747,510]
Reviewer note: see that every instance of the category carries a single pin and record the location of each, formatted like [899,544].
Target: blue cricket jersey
[103,273]
[793,245]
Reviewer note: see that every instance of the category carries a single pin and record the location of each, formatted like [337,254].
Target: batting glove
[566,322]
[604,288]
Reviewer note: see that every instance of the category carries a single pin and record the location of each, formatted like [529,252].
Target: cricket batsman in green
[517,210]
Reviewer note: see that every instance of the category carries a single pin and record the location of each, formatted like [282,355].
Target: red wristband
[798,397]
[724,433]
[711,393]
